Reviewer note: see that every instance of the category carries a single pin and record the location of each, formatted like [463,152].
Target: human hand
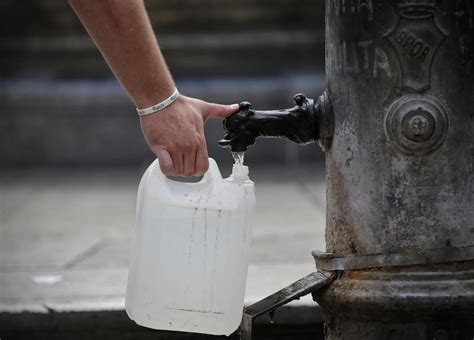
[176,135]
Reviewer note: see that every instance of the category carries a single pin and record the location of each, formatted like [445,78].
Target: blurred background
[61,105]
[72,153]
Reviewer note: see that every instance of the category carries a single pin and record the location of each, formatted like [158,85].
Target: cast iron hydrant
[397,125]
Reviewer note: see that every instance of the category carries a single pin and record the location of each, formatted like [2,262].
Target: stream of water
[238,158]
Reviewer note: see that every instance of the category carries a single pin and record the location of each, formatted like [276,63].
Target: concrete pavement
[65,238]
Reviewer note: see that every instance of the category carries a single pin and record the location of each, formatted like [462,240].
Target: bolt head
[418,125]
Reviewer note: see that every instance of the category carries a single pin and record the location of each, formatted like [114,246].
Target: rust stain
[342,223]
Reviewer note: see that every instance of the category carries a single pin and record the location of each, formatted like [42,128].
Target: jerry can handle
[212,175]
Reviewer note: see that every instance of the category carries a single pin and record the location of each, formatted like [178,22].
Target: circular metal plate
[416,125]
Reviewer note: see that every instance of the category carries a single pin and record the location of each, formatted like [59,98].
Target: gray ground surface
[65,238]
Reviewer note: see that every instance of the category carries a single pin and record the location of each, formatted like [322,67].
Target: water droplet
[271,314]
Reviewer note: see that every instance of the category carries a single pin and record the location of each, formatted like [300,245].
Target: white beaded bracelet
[160,106]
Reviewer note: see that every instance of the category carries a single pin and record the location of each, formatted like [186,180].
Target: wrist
[151,94]
[157,107]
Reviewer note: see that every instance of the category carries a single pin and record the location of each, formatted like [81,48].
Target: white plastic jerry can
[188,266]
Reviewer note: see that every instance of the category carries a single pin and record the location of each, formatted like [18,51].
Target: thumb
[221,111]
[166,163]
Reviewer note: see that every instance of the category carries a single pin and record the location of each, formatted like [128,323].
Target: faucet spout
[300,123]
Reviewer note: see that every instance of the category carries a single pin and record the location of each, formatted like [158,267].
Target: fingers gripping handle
[212,175]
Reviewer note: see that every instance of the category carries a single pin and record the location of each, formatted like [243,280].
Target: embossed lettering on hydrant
[416,39]
[356,7]
[358,57]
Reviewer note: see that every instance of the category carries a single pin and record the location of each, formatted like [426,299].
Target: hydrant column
[400,168]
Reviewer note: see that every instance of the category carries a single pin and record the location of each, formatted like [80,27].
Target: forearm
[123,33]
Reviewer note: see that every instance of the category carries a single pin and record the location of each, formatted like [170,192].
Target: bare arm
[123,33]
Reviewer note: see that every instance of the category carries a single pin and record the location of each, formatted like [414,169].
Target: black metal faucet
[306,122]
